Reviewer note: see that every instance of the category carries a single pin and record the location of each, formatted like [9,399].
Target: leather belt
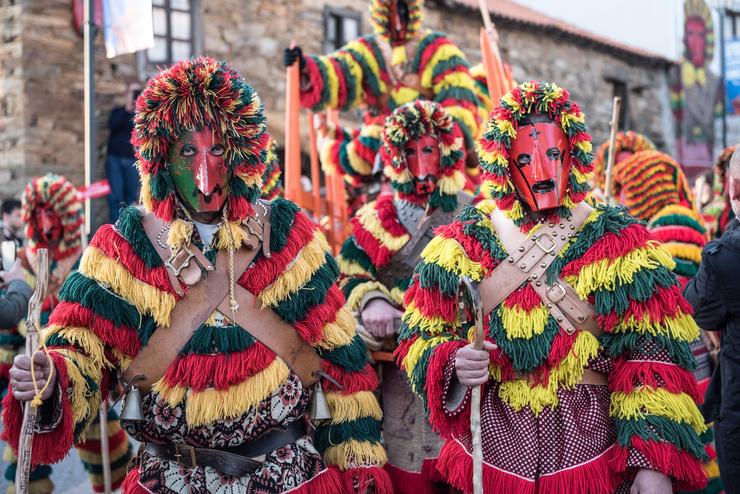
[237,461]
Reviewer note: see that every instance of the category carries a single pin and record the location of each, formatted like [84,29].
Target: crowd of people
[488,266]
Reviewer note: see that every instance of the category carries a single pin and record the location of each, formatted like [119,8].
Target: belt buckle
[560,295]
[175,263]
[183,451]
[548,250]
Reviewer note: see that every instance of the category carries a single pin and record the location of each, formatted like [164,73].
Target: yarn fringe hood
[380,11]
[57,194]
[533,98]
[190,95]
[629,141]
[410,122]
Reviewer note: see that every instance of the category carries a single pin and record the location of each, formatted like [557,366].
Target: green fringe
[645,284]
[678,219]
[296,306]
[88,293]
[352,357]
[370,82]
[282,217]
[447,202]
[456,62]
[620,344]
[129,226]
[353,252]
[161,184]
[526,354]
[362,429]
[97,468]
[656,428]
[423,44]
[41,472]
[434,277]
[685,268]
[218,339]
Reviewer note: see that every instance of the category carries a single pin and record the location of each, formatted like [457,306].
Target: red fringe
[524,298]
[239,207]
[311,327]
[593,477]
[328,481]
[471,245]
[679,233]
[379,254]
[94,445]
[223,370]
[388,216]
[363,476]
[456,466]
[265,271]
[352,382]
[131,483]
[115,246]
[432,302]
[666,458]
[50,447]
[342,86]
[629,375]
[72,314]
[312,96]
[665,302]
[611,246]
[436,391]
[405,482]
[165,210]
[430,50]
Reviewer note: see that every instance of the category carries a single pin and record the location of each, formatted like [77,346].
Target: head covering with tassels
[629,141]
[409,122]
[380,17]
[57,194]
[272,183]
[189,95]
[541,98]
[648,181]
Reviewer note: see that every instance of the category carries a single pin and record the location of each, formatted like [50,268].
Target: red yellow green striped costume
[224,388]
[272,180]
[358,74]
[543,432]
[629,141]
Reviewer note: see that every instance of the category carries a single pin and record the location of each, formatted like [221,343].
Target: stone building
[41,60]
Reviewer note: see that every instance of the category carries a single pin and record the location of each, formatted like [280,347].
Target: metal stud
[535,276]
[560,319]
[521,248]
[562,237]
[551,224]
[549,306]
[523,266]
[511,260]
[581,318]
[552,253]
[562,226]
[572,227]
[543,265]
[538,283]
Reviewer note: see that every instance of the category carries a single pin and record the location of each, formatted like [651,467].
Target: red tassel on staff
[292,132]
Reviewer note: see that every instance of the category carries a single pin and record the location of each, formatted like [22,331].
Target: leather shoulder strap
[529,258]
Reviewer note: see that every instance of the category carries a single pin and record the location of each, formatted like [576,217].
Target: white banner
[127,26]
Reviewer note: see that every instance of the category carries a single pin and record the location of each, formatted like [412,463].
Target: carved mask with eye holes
[540,162]
[422,160]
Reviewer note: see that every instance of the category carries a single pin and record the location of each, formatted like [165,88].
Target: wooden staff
[469,296]
[616,105]
[496,77]
[33,325]
[315,170]
[292,132]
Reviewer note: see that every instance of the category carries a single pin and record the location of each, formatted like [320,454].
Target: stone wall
[41,78]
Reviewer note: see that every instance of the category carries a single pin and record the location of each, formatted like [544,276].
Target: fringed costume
[272,179]
[52,213]
[376,263]
[382,74]
[655,189]
[543,432]
[625,144]
[225,388]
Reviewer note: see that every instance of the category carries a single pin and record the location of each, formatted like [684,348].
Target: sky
[653,25]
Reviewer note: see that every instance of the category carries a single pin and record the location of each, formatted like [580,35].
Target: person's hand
[291,55]
[14,273]
[471,365]
[651,482]
[378,318]
[20,376]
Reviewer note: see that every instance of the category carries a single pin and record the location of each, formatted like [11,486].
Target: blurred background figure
[119,164]
[12,222]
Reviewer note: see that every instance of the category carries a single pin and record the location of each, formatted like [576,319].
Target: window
[340,27]
[173,32]
[619,88]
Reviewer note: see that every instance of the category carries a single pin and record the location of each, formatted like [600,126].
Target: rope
[37,401]
[232,290]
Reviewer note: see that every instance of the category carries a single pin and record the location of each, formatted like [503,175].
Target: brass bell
[319,408]
[131,407]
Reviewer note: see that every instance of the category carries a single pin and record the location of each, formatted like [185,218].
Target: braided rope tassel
[232,289]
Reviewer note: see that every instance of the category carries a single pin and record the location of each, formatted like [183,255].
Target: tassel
[398,55]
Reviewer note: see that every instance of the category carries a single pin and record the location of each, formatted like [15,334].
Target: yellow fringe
[403,94]
[449,254]
[397,295]
[210,405]
[8,455]
[146,298]
[42,486]
[681,327]
[606,273]
[660,402]
[352,453]
[82,400]
[145,193]
[338,333]
[429,325]
[356,70]
[358,164]
[416,350]
[351,268]
[7,356]
[95,457]
[332,81]
[84,338]
[116,475]
[688,252]
[679,210]
[346,408]
[521,393]
[299,272]
[452,184]
[369,220]
[357,294]
[519,323]
[238,235]
[181,233]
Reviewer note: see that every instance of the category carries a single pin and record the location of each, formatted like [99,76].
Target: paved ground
[68,476]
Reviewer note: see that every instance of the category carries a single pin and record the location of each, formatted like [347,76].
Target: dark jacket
[121,124]
[14,303]
[715,295]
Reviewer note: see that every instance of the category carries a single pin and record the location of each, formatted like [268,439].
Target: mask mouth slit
[543,186]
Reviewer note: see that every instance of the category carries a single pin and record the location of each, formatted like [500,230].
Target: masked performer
[398,64]
[586,365]
[52,213]
[219,309]
[718,213]
[625,145]
[422,153]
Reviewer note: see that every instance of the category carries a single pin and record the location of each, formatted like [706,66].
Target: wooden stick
[33,325]
[315,170]
[616,105]
[105,448]
[472,296]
